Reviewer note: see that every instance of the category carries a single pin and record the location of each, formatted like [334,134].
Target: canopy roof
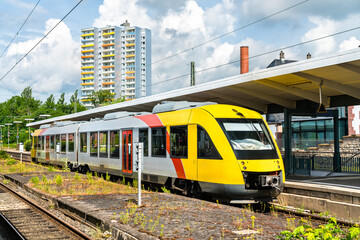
[270,90]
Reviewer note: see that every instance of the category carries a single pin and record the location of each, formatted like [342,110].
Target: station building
[117,59]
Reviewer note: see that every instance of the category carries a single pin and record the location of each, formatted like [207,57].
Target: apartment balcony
[110,66]
[108,50]
[111,61]
[87,45]
[132,77]
[87,51]
[87,73]
[87,34]
[108,33]
[87,40]
[87,67]
[87,56]
[129,44]
[108,55]
[108,44]
[130,66]
[87,78]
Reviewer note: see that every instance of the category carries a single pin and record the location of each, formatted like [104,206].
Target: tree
[74,103]
[100,97]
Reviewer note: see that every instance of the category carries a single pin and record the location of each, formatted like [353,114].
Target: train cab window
[206,148]
[249,138]
[63,143]
[158,142]
[94,144]
[83,142]
[51,143]
[114,144]
[179,141]
[37,142]
[144,138]
[103,144]
[71,142]
[57,142]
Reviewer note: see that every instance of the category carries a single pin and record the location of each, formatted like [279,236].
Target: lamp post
[17,132]
[8,124]
[1,142]
[29,119]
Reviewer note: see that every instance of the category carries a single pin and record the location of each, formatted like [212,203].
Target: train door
[47,148]
[127,150]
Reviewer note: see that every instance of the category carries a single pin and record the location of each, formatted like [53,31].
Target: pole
[8,136]
[140,158]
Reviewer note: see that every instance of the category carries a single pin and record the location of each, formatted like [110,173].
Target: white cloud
[348,44]
[326,26]
[51,67]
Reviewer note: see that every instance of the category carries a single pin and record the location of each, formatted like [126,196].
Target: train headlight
[278,166]
[242,163]
[244,167]
[278,162]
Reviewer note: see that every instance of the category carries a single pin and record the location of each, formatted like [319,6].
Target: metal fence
[303,164]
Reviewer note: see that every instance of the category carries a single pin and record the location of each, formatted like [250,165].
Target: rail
[47,213]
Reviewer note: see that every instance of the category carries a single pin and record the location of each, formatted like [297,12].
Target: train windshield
[249,138]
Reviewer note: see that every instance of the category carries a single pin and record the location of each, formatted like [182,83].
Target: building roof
[269,90]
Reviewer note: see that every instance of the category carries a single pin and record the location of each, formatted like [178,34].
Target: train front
[253,169]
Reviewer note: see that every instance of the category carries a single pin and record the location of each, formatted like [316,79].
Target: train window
[71,142]
[63,143]
[249,138]
[52,143]
[83,142]
[179,141]
[144,138]
[57,141]
[37,143]
[206,148]
[103,144]
[158,139]
[93,144]
[114,144]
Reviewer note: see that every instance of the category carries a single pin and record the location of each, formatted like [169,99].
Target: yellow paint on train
[228,169]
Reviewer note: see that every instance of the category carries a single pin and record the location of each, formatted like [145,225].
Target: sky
[189,27]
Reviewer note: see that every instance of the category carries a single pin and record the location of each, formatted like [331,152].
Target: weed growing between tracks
[331,230]
[78,184]
[10,165]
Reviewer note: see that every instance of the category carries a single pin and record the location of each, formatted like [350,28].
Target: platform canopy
[293,85]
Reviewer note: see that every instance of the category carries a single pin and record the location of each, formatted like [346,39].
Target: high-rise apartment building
[117,59]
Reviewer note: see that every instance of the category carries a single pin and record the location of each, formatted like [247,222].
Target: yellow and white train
[221,150]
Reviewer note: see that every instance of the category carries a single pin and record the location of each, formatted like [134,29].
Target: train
[223,151]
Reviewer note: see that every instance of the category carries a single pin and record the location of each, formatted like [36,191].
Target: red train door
[47,148]
[127,149]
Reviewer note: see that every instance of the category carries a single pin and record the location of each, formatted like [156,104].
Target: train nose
[272,182]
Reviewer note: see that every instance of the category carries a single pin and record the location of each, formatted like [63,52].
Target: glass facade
[310,133]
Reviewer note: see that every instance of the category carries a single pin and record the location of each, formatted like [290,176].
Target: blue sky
[54,66]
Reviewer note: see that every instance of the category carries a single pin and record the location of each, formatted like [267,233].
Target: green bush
[11,161]
[27,145]
[35,180]
[3,154]
[58,180]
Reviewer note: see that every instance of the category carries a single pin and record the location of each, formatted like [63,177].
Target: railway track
[33,221]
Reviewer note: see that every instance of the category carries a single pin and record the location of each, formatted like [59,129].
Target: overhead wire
[259,55]
[39,41]
[17,33]
[228,33]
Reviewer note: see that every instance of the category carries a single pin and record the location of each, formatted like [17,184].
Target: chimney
[308,56]
[244,59]
[282,56]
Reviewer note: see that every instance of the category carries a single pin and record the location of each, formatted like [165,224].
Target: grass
[10,165]
[78,184]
